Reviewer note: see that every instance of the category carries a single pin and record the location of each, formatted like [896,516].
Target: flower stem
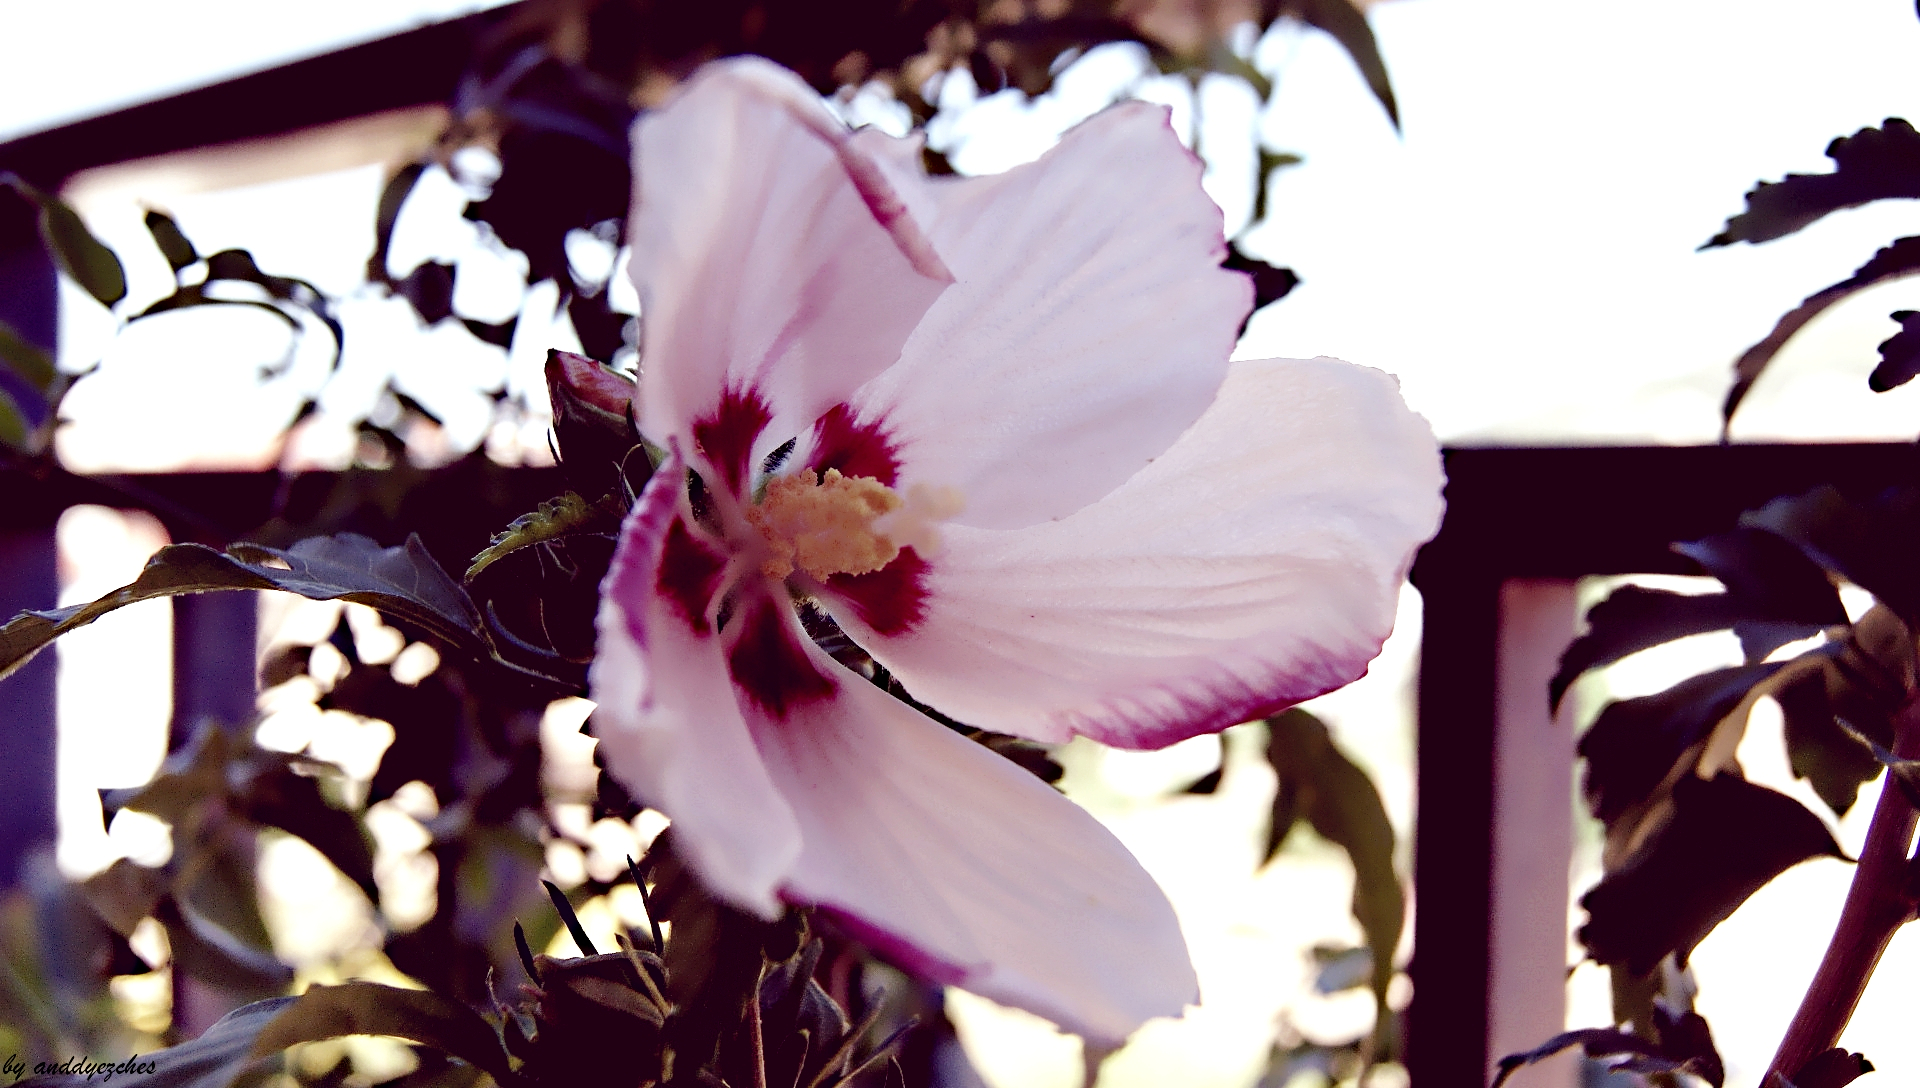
[1878,903]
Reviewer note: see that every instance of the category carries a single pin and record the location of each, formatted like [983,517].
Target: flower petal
[1255,565]
[969,869]
[771,255]
[1089,324]
[665,718]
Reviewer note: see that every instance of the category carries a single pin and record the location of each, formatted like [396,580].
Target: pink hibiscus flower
[988,427]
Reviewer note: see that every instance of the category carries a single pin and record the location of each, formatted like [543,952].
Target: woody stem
[1878,903]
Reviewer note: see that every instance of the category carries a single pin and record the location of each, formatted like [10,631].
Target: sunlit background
[1521,253]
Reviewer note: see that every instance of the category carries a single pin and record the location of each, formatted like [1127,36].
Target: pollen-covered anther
[824,525]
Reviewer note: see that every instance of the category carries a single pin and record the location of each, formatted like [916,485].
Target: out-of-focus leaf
[173,244]
[214,1060]
[1270,284]
[369,1008]
[403,581]
[1320,784]
[1724,838]
[1899,354]
[13,426]
[124,893]
[1206,785]
[1596,1043]
[1870,544]
[293,802]
[1634,743]
[1342,969]
[1269,162]
[601,328]
[1034,758]
[430,289]
[1896,261]
[206,951]
[554,519]
[1348,26]
[392,199]
[499,334]
[1835,761]
[187,298]
[282,293]
[79,254]
[27,360]
[1872,164]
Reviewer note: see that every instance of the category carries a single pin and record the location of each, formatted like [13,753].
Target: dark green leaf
[1896,261]
[1723,840]
[1899,354]
[80,255]
[1869,543]
[173,245]
[1634,743]
[368,1008]
[27,360]
[1872,164]
[1269,162]
[1348,25]
[13,426]
[404,582]
[213,1060]
[1340,802]
[1818,749]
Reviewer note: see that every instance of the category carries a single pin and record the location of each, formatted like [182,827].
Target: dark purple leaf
[1872,164]
[1634,743]
[1899,354]
[1898,260]
[1723,840]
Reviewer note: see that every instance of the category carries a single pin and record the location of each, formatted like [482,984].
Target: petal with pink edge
[771,255]
[1088,326]
[1255,565]
[970,870]
[665,716]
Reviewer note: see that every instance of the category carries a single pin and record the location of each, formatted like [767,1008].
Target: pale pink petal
[970,870]
[1088,326]
[1256,564]
[666,721]
[772,257]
